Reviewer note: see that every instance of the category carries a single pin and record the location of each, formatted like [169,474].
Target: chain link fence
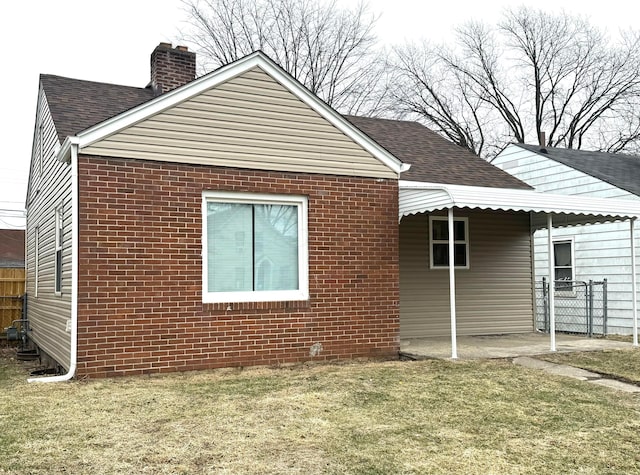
[580,306]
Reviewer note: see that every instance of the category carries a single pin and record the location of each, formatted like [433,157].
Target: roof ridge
[88,81]
[536,148]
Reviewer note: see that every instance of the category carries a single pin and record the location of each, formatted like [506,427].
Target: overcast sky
[110,41]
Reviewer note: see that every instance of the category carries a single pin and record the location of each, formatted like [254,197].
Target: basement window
[254,247]
[439,242]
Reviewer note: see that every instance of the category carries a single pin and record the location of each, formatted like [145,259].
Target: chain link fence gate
[581,307]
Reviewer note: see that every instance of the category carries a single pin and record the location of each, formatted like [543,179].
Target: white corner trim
[75,226]
[225,73]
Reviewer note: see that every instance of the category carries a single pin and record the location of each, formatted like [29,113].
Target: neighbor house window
[58,259]
[563,264]
[254,247]
[439,242]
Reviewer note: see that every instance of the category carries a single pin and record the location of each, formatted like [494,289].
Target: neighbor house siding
[493,296]
[601,250]
[140,306]
[49,188]
[250,121]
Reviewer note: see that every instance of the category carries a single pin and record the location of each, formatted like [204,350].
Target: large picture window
[254,247]
[439,242]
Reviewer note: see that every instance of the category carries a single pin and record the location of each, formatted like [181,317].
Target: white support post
[552,283]
[452,286]
[634,295]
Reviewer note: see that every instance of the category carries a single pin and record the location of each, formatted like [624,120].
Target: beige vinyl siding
[250,121]
[493,296]
[48,313]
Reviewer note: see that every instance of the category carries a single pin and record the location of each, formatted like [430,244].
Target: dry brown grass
[476,417]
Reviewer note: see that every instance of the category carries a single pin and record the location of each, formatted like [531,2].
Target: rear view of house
[236,219]
[228,220]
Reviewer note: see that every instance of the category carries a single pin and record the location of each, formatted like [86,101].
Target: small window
[58,250]
[254,247]
[439,242]
[563,265]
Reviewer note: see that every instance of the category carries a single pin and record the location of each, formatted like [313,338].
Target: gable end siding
[48,313]
[251,122]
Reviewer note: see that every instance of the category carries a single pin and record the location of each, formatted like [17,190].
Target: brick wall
[140,305]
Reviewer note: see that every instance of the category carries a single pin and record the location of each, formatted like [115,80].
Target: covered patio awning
[566,210]
[546,210]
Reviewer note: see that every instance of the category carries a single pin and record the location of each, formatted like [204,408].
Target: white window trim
[303,254]
[433,241]
[571,241]
[59,226]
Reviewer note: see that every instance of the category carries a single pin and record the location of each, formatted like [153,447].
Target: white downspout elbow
[74,275]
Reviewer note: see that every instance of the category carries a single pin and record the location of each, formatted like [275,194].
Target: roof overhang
[422,197]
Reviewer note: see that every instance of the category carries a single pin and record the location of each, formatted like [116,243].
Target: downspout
[74,272]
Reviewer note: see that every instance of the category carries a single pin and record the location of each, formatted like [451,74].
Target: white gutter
[72,147]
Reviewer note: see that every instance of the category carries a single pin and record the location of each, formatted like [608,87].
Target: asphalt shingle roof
[433,158]
[77,105]
[620,170]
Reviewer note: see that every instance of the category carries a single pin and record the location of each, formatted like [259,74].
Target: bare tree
[332,51]
[532,73]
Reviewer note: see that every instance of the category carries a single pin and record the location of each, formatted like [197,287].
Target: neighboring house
[595,252]
[12,278]
[12,248]
[236,219]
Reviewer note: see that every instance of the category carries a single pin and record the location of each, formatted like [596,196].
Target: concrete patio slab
[503,346]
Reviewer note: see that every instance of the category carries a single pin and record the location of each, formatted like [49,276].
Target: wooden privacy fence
[11,293]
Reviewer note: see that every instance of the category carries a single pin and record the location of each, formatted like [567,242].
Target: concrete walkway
[575,373]
[503,346]
[520,347]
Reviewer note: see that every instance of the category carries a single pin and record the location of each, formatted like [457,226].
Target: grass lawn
[478,417]
[621,364]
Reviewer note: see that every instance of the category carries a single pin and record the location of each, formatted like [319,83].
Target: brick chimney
[171,67]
